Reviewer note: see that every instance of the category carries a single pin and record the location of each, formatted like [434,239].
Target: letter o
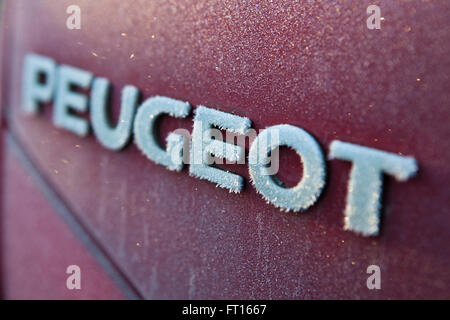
[307,191]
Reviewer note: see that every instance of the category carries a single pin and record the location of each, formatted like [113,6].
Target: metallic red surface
[37,246]
[314,65]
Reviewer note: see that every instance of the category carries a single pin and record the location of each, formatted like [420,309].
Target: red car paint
[161,234]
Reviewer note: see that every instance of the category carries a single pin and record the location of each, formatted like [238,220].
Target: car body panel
[313,65]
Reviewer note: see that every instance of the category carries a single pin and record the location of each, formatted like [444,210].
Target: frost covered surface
[222,120]
[307,191]
[35,64]
[144,127]
[66,101]
[225,150]
[175,143]
[113,137]
[311,64]
[202,146]
[362,209]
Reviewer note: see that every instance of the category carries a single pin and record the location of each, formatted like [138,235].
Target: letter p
[35,90]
